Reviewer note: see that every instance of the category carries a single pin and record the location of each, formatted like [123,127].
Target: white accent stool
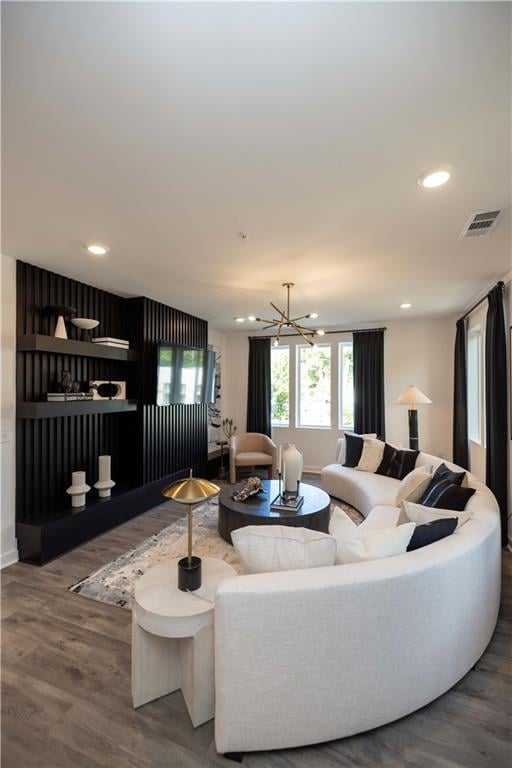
[172,637]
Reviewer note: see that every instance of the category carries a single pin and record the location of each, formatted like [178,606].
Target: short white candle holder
[105,482]
[78,489]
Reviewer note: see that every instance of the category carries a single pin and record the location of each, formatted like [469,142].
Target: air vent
[480,224]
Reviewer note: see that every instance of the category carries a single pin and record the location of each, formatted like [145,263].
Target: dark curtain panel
[369,382]
[496,403]
[258,390]
[460,398]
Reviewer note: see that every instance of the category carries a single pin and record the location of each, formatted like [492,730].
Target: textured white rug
[114,582]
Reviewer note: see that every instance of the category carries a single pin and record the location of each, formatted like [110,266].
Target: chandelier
[285,321]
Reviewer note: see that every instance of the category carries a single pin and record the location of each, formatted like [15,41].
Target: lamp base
[413,430]
[189,574]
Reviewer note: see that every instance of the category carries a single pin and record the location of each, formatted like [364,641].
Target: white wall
[8,547]
[418,352]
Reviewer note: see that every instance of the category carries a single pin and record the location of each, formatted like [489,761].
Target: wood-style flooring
[66,687]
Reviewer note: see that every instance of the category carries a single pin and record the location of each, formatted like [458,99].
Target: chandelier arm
[306,330]
[295,319]
[264,320]
[283,316]
[298,329]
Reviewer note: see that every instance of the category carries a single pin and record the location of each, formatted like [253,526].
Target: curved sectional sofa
[307,656]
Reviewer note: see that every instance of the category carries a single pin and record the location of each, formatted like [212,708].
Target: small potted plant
[228,427]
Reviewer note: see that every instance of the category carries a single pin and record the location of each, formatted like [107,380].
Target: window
[280,385]
[475,384]
[314,386]
[346,386]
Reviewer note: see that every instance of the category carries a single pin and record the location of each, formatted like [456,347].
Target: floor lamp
[413,397]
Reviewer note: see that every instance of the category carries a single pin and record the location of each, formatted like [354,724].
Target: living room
[256,466]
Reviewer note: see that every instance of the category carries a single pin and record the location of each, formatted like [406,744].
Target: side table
[172,637]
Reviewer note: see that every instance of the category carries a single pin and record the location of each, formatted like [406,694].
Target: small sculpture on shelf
[61,312]
[78,489]
[252,486]
[105,483]
[65,383]
[228,427]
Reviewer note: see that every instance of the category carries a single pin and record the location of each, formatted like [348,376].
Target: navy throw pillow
[353,449]
[442,494]
[396,463]
[430,532]
[443,473]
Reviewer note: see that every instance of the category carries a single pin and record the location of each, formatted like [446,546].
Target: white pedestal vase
[292,468]
[60,328]
[105,483]
[78,489]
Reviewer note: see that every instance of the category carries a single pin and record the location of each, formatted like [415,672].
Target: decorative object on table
[251,487]
[108,390]
[413,397]
[285,321]
[222,468]
[65,383]
[67,397]
[292,469]
[75,387]
[86,325]
[191,491]
[61,312]
[78,489]
[111,341]
[290,502]
[105,483]
[228,427]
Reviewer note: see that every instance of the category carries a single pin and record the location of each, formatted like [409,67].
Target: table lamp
[190,491]
[413,397]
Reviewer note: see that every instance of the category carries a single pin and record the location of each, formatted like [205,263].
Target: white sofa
[307,656]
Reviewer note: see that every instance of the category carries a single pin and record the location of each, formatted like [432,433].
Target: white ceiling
[164,130]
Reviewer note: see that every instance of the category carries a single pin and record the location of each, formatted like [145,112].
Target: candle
[104,468]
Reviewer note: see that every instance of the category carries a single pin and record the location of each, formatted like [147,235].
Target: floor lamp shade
[413,397]
[190,491]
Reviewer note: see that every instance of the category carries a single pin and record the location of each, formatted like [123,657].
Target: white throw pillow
[266,548]
[417,513]
[414,485]
[356,545]
[340,458]
[371,455]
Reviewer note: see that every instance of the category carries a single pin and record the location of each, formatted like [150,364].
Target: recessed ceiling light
[433,179]
[240,319]
[405,306]
[97,250]
[321,332]
[251,318]
[314,315]
[243,235]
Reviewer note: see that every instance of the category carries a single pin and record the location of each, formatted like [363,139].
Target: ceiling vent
[480,224]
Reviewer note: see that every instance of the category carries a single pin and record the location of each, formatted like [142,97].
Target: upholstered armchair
[250,449]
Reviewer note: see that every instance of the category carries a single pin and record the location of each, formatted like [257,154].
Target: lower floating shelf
[45,410]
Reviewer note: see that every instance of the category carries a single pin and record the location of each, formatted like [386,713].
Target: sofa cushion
[341,446]
[414,485]
[371,455]
[361,490]
[447,495]
[353,450]
[396,463]
[417,513]
[267,548]
[382,516]
[430,532]
[355,544]
[443,473]
[252,459]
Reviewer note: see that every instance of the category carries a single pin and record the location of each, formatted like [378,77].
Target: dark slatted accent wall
[174,436]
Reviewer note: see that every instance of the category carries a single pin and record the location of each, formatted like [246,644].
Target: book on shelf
[68,397]
[111,341]
[289,503]
[113,344]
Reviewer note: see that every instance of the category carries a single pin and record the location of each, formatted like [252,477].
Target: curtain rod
[499,284]
[348,330]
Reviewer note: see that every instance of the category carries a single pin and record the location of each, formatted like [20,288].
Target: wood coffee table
[313,514]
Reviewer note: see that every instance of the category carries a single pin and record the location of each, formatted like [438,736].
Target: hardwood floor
[66,687]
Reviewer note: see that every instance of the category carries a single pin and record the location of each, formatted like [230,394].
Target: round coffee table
[172,637]
[314,512]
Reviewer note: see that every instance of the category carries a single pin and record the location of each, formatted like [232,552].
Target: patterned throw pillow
[447,495]
[443,473]
[396,463]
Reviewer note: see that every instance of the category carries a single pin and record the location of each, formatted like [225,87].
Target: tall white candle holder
[105,483]
[78,489]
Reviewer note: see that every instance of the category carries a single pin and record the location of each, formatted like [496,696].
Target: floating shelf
[47,410]
[36,342]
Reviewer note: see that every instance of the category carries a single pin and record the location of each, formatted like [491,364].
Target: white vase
[60,329]
[292,468]
[105,483]
[78,489]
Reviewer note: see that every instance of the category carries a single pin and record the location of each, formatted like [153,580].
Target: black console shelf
[48,410]
[37,342]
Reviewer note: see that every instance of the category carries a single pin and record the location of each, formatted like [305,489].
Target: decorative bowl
[85,323]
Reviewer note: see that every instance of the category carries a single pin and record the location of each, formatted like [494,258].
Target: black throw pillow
[430,532]
[443,473]
[442,494]
[353,449]
[396,463]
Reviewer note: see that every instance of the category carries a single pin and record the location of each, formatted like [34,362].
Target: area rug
[114,582]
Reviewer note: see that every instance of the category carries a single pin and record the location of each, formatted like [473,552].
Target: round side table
[172,637]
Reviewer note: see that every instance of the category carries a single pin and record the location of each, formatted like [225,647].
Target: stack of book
[110,341]
[68,397]
[289,503]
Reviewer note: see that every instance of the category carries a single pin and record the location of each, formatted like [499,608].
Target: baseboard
[8,558]
[312,470]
